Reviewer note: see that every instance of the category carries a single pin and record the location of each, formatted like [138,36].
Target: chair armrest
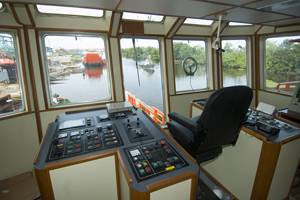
[184,121]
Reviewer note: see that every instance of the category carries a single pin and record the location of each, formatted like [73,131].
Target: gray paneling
[284,22]
[251,16]
[289,7]
[104,4]
[188,8]
[233,2]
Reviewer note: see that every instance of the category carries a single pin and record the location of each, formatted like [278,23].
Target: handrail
[287,84]
[153,112]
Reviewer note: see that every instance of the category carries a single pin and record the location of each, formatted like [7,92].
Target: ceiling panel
[186,8]
[250,16]
[290,7]
[284,22]
[233,2]
[104,4]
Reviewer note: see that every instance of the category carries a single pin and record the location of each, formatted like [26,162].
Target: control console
[76,137]
[137,131]
[265,123]
[154,158]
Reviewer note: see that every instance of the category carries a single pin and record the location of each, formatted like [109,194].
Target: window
[77,69]
[235,62]
[63,10]
[281,63]
[142,70]
[1,5]
[142,17]
[190,65]
[11,86]
[203,22]
[239,24]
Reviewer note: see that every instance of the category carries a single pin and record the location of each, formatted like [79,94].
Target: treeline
[183,50]
[234,58]
[282,61]
[143,53]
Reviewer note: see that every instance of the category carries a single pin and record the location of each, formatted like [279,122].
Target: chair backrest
[223,115]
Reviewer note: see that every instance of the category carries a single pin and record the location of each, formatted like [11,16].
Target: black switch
[99,129]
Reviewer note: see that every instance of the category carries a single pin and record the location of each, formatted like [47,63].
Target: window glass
[11,93]
[77,69]
[194,21]
[142,17]
[63,10]
[142,70]
[281,63]
[190,63]
[239,24]
[235,62]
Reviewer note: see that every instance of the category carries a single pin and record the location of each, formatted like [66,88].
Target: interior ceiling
[267,12]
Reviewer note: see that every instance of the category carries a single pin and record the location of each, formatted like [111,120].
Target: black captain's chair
[218,125]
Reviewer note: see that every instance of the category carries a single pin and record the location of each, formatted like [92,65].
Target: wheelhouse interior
[73,56]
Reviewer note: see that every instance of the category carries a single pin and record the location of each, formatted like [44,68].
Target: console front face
[81,136]
[154,158]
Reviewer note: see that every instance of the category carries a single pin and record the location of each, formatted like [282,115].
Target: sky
[69,42]
[281,39]
[234,43]
[192,43]
[127,43]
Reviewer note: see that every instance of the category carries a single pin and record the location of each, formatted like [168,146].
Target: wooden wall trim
[47,29]
[166,82]
[15,115]
[76,106]
[265,171]
[33,85]
[192,92]
[175,27]
[112,82]
[121,67]
[29,13]
[41,67]
[24,71]
[273,92]
[14,13]
[256,67]
[173,66]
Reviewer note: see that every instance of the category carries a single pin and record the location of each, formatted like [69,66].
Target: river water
[80,88]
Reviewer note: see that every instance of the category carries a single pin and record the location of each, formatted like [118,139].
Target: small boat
[149,70]
[147,64]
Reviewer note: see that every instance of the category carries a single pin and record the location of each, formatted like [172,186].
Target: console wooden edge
[265,170]
[45,185]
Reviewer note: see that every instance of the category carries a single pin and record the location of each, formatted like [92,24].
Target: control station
[113,153]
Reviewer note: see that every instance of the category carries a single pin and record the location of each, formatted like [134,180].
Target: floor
[21,187]
[209,190]
[24,187]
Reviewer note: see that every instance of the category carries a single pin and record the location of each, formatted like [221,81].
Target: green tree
[282,61]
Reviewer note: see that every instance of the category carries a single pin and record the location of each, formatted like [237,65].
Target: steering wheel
[189,65]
